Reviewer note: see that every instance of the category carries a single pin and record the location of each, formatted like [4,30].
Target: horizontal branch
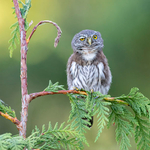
[43,93]
[14,120]
[51,22]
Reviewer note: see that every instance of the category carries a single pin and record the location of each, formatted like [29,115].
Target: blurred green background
[125,28]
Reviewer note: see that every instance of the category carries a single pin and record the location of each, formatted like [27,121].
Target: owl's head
[87,41]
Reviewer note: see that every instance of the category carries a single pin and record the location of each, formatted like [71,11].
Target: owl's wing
[71,71]
[105,77]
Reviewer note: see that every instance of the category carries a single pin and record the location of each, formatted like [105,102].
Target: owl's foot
[81,91]
[92,90]
[75,88]
[90,121]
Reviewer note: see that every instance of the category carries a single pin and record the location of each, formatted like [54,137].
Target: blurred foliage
[5,109]
[24,11]
[14,38]
[124,26]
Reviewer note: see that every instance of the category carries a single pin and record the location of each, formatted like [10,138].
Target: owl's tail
[91,121]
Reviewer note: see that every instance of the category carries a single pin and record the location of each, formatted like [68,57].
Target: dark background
[125,28]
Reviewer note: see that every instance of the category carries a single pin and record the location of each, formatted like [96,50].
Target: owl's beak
[89,40]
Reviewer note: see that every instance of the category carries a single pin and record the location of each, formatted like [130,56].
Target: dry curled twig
[51,22]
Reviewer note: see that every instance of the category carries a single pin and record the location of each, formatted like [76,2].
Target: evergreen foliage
[101,110]
[57,138]
[5,109]
[126,112]
[78,112]
[9,142]
[125,119]
[135,120]
[52,138]
[129,113]
[15,33]
[54,87]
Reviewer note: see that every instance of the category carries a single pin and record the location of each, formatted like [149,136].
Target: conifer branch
[21,14]
[43,93]
[23,76]
[14,120]
[113,99]
[43,22]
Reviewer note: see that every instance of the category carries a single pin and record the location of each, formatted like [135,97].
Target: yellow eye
[95,37]
[82,39]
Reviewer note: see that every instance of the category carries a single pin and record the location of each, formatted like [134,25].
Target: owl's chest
[87,73]
[87,76]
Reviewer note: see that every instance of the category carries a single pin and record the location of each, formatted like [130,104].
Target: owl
[87,67]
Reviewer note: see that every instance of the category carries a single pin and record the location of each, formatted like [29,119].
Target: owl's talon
[75,88]
[92,90]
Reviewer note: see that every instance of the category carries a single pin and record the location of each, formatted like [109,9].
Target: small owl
[87,67]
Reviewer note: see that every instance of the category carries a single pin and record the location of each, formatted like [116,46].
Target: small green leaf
[5,109]
[54,87]
[24,12]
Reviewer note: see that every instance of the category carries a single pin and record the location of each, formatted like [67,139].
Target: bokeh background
[125,28]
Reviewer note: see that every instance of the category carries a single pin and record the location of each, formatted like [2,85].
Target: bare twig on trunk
[47,21]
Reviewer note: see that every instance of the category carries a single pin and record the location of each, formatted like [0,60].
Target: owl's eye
[95,37]
[82,39]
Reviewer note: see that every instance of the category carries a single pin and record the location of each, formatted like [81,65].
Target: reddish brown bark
[43,93]
[23,75]
[47,21]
